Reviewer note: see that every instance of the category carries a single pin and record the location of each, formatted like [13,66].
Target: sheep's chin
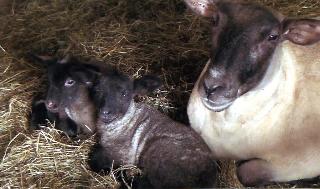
[216,107]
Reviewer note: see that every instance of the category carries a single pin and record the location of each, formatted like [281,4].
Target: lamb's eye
[124,93]
[69,82]
[273,37]
[215,20]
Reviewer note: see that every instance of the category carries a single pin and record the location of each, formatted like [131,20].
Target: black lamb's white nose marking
[51,105]
[106,112]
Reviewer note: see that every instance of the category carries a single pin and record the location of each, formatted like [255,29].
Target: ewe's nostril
[206,89]
[212,89]
[215,88]
[212,86]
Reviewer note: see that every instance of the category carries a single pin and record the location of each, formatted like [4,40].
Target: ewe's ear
[301,31]
[146,84]
[204,8]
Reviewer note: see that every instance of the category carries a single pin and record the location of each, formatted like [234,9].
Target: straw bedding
[143,36]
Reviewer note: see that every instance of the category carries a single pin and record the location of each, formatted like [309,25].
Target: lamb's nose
[106,115]
[51,105]
[106,112]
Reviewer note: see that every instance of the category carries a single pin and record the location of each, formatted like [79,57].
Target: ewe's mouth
[216,107]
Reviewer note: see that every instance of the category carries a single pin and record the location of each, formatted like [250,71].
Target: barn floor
[142,36]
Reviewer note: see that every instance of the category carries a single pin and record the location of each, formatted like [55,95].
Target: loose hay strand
[143,36]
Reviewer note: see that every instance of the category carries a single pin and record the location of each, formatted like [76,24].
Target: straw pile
[142,36]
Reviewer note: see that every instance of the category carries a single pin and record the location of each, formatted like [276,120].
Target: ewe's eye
[69,82]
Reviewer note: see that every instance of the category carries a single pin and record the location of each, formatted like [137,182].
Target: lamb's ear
[205,8]
[65,59]
[87,74]
[41,59]
[301,31]
[146,84]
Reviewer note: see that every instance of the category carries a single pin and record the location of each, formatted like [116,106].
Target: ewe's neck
[273,93]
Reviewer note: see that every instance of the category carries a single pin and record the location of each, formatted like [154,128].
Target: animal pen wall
[141,36]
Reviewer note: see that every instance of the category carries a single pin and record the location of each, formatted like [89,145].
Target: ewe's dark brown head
[244,37]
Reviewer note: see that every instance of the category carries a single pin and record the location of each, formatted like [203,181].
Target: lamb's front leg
[39,116]
[254,172]
[68,126]
[98,159]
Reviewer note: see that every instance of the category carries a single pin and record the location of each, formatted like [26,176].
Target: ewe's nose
[212,86]
[214,81]
[51,105]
